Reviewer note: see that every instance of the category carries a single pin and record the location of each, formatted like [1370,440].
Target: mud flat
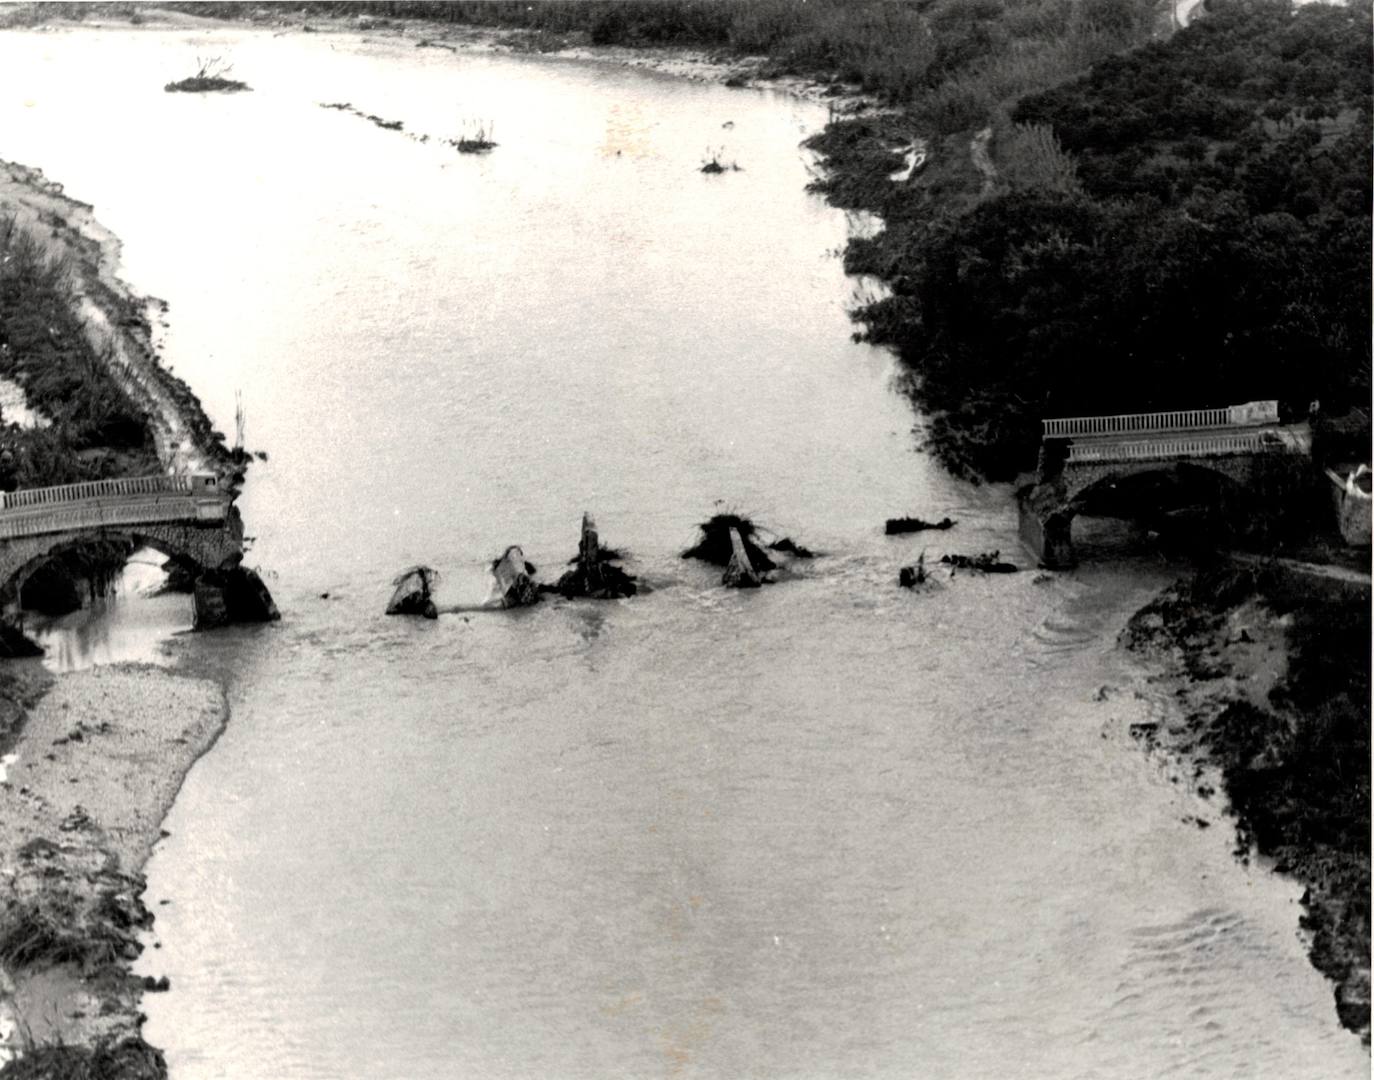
[1265,678]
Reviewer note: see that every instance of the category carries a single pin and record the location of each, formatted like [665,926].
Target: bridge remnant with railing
[1079,453]
[125,501]
[189,517]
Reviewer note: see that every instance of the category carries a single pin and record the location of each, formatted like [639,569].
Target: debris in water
[716,548]
[989,562]
[210,78]
[791,547]
[915,524]
[713,165]
[911,576]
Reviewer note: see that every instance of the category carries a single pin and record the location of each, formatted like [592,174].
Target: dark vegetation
[959,57]
[713,163]
[1187,224]
[97,431]
[112,1059]
[1296,766]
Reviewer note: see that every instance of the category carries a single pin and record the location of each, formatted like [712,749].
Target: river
[830,828]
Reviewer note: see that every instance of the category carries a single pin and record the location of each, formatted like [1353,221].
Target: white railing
[1197,446]
[1128,423]
[64,518]
[95,489]
[1249,414]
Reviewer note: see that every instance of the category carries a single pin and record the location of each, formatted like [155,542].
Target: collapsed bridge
[1079,456]
[190,518]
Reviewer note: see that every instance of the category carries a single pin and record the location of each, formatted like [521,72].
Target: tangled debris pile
[717,548]
[211,77]
[731,541]
[987,562]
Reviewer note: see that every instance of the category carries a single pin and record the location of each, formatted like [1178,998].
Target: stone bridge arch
[1048,508]
[224,590]
[1234,475]
[196,547]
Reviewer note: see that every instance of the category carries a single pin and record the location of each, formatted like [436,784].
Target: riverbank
[116,324]
[93,760]
[91,774]
[1266,679]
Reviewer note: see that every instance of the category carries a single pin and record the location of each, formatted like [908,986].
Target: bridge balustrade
[95,489]
[1128,423]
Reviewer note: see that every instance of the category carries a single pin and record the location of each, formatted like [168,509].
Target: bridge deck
[1186,443]
[109,512]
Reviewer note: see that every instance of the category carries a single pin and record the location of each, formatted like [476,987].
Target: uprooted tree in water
[731,541]
[739,574]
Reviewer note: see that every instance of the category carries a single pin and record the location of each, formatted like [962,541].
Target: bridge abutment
[235,595]
[1049,537]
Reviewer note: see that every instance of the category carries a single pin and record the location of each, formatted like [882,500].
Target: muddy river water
[827,829]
